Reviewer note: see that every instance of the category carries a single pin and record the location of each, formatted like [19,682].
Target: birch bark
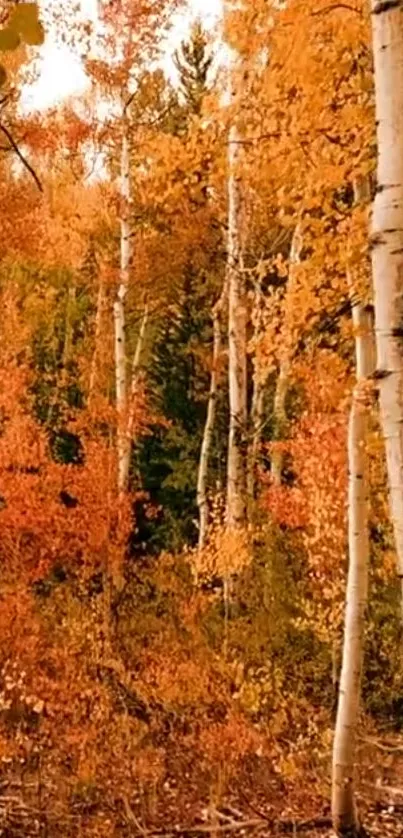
[257,406]
[236,466]
[97,338]
[119,313]
[134,386]
[387,247]
[344,810]
[207,442]
[279,411]
[345,816]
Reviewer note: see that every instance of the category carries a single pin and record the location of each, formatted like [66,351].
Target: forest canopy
[201,423]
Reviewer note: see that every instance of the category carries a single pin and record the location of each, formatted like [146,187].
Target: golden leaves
[23,27]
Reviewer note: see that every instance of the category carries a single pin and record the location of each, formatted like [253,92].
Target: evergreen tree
[193,62]
[168,459]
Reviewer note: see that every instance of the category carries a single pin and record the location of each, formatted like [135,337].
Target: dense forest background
[172,635]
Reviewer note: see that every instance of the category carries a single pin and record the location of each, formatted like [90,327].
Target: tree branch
[335,7]
[20,156]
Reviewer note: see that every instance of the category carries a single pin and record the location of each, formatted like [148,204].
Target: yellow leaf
[35,36]
[25,21]
[9,39]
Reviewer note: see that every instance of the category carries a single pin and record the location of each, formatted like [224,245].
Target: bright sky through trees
[61,73]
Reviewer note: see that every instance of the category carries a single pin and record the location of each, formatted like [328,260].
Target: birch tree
[279,411]
[135,376]
[257,405]
[123,448]
[100,307]
[345,816]
[237,319]
[207,441]
[344,811]
[387,247]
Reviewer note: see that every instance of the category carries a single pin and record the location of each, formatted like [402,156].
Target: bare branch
[334,8]
[389,749]
[20,156]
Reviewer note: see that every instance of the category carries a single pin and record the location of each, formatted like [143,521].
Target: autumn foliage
[148,686]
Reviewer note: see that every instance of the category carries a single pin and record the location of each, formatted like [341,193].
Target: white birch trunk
[344,811]
[97,338]
[279,411]
[134,384]
[387,247]
[236,465]
[345,817]
[207,441]
[119,315]
[257,406]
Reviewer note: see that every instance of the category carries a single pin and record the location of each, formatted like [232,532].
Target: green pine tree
[193,61]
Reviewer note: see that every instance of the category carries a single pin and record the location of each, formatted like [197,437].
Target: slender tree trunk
[134,385]
[345,817]
[207,442]
[97,338]
[119,314]
[236,465]
[279,411]
[257,406]
[387,247]
[344,811]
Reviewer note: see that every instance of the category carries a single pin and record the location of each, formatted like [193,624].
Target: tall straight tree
[282,385]
[345,816]
[387,246]
[132,34]
[237,321]
[123,446]
[208,433]
[257,402]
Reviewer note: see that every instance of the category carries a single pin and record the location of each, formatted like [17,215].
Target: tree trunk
[97,338]
[387,247]
[207,441]
[135,378]
[119,315]
[257,406]
[279,411]
[280,419]
[345,816]
[236,465]
[344,811]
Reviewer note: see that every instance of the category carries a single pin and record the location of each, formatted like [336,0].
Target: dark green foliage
[193,62]
[179,381]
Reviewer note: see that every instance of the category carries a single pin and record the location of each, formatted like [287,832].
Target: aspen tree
[344,811]
[257,405]
[237,320]
[208,432]
[279,412]
[387,247]
[123,448]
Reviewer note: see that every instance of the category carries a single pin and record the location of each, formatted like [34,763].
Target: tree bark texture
[387,247]
[236,466]
[344,810]
[279,411]
[208,434]
[119,315]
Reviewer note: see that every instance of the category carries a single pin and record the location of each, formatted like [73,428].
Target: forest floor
[256,803]
[266,806]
